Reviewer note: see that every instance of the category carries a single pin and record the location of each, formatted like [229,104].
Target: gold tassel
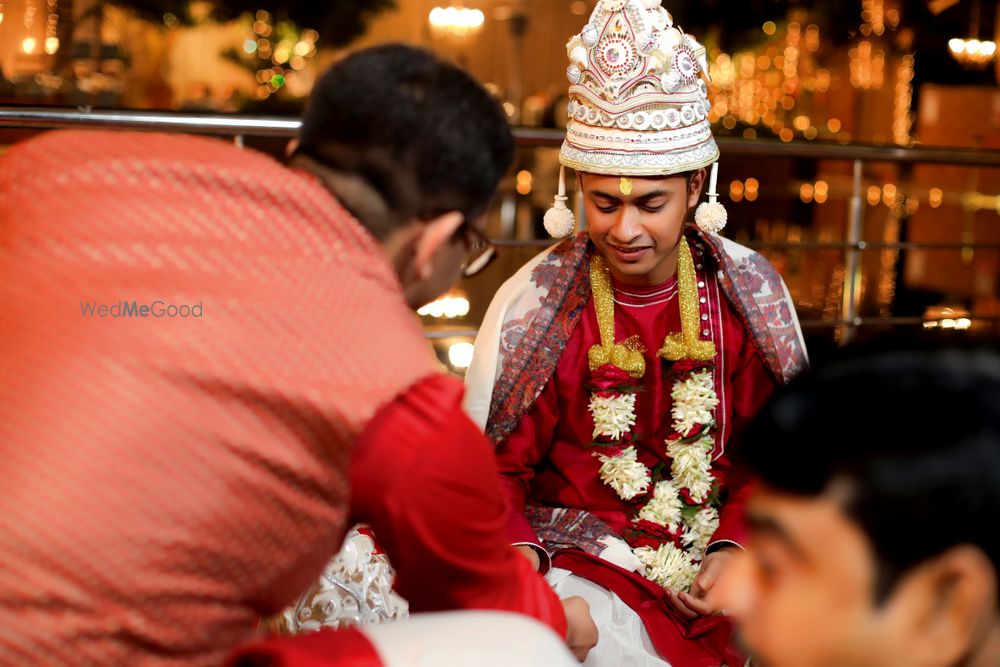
[686,345]
[626,355]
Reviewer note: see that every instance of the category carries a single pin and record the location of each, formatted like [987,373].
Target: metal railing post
[852,261]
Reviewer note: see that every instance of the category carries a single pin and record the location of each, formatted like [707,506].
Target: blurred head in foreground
[415,148]
[875,536]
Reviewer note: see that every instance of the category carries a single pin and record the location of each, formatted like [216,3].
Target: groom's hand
[696,603]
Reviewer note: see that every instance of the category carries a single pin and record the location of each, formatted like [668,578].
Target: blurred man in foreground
[874,531]
[212,369]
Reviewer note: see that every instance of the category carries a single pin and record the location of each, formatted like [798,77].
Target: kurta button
[701,283]
[704,316]
[703,300]
[705,333]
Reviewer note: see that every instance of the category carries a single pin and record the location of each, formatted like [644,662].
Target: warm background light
[460,355]
[459,21]
[972,52]
[448,307]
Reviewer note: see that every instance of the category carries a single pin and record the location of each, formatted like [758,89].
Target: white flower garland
[694,403]
[699,530]
[694,400]
[614,416]
[679,516]
[664,508]
[692,466]
[625,473]
[668,566]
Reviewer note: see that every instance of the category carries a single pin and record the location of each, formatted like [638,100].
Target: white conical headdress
[638,97]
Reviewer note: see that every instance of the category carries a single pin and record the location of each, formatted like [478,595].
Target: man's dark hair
[913,435]
[420,131]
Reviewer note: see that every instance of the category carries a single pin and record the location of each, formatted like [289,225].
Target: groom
[616,371]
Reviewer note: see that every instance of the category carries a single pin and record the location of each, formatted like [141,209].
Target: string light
[806,192]
[902,119]
[867,66]
[873,15]
[524,181]
[772,87]
[889,194]
[281,52]
[52,28]
[29,14]
[822,191]
[29,44]
[936,197]
[874,195]
[736,191]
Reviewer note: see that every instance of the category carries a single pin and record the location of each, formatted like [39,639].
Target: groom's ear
[695,186]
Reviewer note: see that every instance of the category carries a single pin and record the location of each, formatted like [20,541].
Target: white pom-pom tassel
[559,220]
[711,216]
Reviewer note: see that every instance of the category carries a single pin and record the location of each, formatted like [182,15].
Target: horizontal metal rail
[264,126]
[800,245]
[438,334]
[808,323]
[43,118]
[866,245]
[891,321]
[239,127]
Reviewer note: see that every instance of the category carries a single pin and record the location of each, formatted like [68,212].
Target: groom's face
[638,227]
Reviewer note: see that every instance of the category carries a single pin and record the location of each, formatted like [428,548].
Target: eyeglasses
[482,251]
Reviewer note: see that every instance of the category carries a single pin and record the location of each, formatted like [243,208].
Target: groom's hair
[914,437]
[420,131]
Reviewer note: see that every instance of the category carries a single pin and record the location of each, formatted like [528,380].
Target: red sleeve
[423,477]
[346,647]
[517,457]
[752,385]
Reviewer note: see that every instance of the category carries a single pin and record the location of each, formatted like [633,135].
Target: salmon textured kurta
[165,479]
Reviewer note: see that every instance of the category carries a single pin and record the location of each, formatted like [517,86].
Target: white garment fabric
[622,640]
[517,295]
[469,639]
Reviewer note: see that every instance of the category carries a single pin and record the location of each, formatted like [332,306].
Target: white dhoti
[622,639]
[469,639]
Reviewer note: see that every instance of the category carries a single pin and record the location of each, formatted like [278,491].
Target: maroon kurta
[548,460]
